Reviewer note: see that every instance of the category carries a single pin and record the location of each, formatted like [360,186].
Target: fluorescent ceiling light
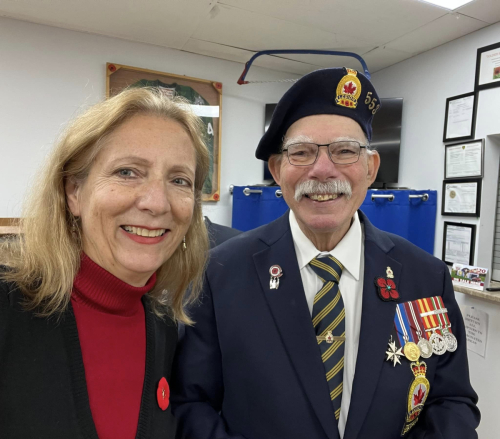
[448,4]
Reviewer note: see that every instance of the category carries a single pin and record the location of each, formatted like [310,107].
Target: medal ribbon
[418,324]
[445,314]
[440,316]
[412,329]
[402,324]
[430,321]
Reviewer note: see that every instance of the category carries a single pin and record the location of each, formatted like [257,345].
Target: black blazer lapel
[376,324]
[288,306]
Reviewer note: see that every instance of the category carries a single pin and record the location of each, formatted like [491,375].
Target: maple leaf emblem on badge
[349,88]
[393,353]
[419,397]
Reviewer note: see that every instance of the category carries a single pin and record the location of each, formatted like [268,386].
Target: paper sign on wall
[476,328]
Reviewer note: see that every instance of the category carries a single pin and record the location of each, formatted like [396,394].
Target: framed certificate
[460,117]
[458,243]
[488,67]
[464,160]
[461,197]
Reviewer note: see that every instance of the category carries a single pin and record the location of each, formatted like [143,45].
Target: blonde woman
[90,297]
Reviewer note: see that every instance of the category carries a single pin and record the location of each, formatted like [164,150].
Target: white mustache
[316,187]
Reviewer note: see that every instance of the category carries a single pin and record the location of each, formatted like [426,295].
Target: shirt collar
[347,251]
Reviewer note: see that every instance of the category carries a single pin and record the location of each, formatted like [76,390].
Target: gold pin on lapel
[389,273]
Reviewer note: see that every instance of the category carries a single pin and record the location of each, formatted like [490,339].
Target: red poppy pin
[163,394]
[386,287]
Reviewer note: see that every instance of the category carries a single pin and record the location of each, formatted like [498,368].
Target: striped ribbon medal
[424,344]
[429,316]
[328,318]
[444,323]
[404,330]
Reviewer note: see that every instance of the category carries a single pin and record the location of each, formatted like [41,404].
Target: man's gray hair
[334,187]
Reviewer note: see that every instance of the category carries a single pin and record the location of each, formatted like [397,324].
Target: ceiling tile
[253,31]
[164,23]
[323,61]
[485,10]
[383,57]
[387,31]
[284,65]
[217,50]
[242,56]
[440,31]
[371,21]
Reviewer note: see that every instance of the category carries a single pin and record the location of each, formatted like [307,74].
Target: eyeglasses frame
[328,151]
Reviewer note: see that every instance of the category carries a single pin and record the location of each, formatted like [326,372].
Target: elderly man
[319,325]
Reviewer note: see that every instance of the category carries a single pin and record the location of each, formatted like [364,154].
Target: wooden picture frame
[9,226]
[204,96]
[457,165]
[463,190]
[470,119]
[487,67]
[466,255]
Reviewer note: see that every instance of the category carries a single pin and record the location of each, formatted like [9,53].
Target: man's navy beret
[339,91]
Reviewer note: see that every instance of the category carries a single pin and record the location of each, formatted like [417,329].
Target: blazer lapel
[376,324]
[291,314]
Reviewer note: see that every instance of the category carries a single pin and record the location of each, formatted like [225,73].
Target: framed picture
[464,160]
[9,226]
[460,117]
[459,240]
[488,67]
[204,96]
[461,197]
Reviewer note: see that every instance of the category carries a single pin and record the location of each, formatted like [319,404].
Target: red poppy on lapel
[163,394]
[386,289]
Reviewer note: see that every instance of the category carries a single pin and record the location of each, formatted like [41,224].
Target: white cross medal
[276,272]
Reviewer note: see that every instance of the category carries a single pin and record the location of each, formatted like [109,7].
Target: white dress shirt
[350,252]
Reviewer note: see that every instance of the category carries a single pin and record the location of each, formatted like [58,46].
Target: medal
[438,342]
[449,338]
[417,395]
[429,317]
[276,272]
[451,342]
[393,353]
[410,350]
[425,348]
[424,345]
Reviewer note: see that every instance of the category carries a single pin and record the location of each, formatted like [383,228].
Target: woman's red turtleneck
[112,330]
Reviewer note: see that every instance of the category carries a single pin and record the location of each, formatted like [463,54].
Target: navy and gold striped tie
[328,316]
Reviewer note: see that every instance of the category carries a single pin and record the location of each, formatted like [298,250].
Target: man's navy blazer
[250,367]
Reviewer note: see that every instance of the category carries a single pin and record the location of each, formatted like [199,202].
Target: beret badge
[349,90]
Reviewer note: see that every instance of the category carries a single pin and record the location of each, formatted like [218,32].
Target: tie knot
[328,268]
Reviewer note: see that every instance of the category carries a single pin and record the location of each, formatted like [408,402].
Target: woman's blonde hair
[45,260]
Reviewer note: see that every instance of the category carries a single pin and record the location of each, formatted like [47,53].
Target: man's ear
[373,166]
[72,190]
[274,164]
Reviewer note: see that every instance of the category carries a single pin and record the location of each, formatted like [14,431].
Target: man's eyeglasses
[341,153]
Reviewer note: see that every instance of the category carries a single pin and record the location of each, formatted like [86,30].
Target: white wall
[425,82]
[47,75]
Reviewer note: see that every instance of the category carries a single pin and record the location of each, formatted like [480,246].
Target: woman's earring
[184,246]
[74,224]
